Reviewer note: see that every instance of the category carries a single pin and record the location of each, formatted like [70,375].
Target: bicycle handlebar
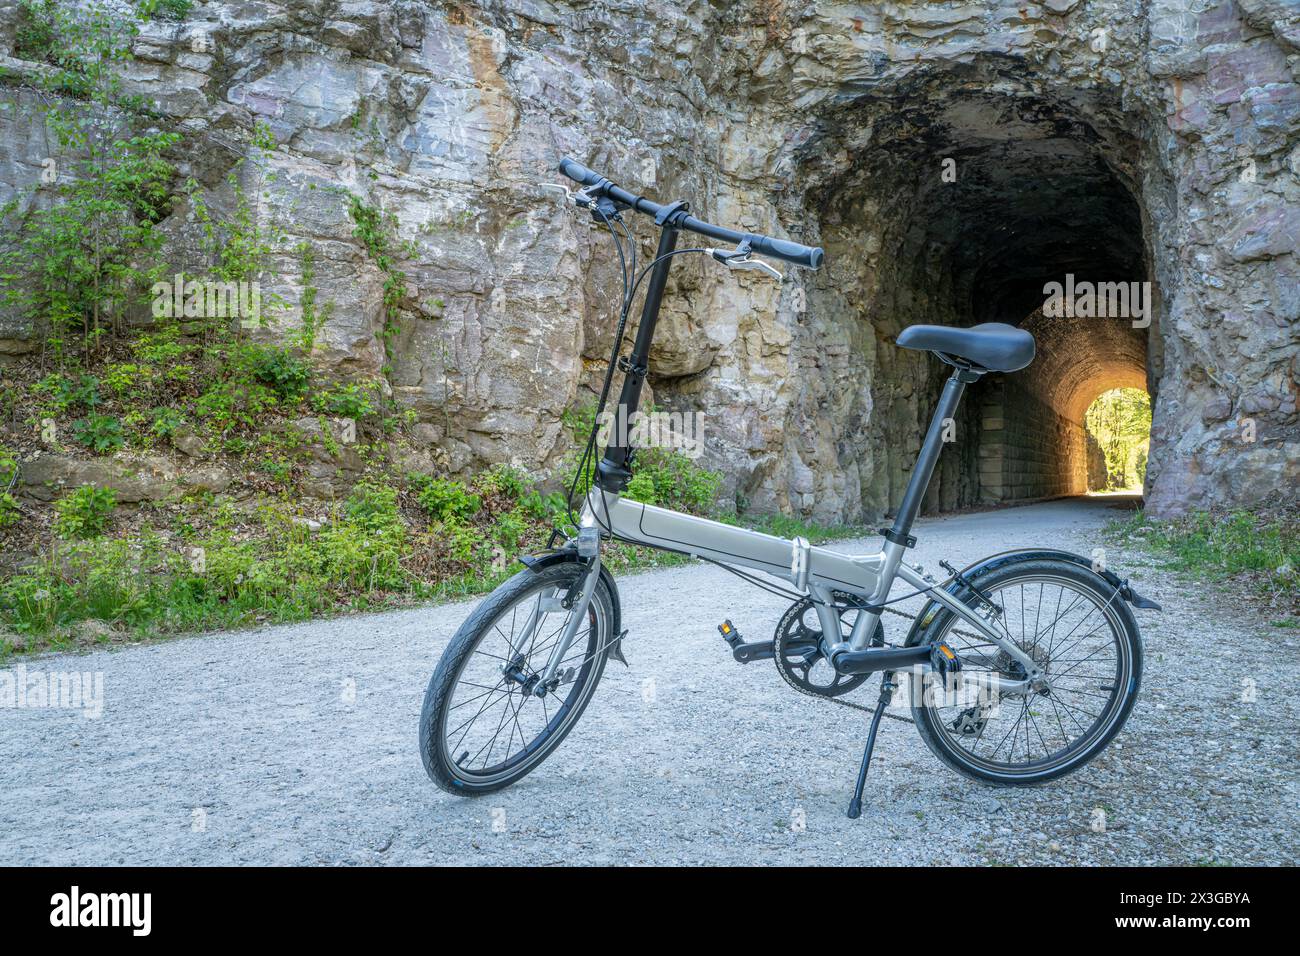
[792,252]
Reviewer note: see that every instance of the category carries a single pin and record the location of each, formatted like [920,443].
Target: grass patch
[208,565]
[1259,550]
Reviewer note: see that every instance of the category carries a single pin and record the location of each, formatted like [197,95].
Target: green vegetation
[83,259]
[84,513]
[386,544]
[100,433]
[1120,421]
[375,230]
[10,512]
[165,9]
[203,562]
[1262,551]
[82,262]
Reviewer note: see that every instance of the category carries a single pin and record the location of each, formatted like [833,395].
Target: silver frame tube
[870,576]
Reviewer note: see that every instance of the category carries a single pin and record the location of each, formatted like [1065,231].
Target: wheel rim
[493,726]
[1078,639]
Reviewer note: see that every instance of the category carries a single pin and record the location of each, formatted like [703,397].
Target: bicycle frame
[816,571]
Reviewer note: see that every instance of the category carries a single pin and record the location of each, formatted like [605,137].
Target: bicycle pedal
[944,660]
[742,650]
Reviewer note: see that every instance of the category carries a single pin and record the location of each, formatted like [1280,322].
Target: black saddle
[993,346]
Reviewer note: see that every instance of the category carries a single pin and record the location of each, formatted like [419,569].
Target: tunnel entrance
[1118,426]
[960,200]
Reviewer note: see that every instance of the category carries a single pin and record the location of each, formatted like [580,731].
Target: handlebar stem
[614,470]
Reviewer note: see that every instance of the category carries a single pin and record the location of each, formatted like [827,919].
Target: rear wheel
[483,727]
[1078,629]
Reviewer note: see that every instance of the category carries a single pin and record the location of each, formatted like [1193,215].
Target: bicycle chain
[836,700]
[849,703]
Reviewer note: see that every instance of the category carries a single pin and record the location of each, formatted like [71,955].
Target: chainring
[797,648]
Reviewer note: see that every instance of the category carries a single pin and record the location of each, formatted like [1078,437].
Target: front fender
[973,573]
[536,562]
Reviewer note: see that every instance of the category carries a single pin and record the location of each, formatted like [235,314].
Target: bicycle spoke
[494,726]
[1079,656]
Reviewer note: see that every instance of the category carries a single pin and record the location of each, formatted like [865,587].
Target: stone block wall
[1027,449]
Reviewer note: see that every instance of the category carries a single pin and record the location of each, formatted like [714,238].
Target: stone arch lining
[1033,443]
[1045,186]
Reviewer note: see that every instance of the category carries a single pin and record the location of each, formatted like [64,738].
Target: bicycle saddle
[993,346]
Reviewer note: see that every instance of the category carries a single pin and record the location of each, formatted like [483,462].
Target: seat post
[900,532]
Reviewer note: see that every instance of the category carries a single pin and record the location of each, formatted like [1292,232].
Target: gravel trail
[297,744]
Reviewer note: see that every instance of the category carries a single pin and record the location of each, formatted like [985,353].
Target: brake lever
[600,207]
[743,260]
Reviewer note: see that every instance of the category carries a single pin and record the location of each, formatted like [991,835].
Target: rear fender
[985,566]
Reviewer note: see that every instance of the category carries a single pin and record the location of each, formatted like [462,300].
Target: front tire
[481,728]
[1071,622]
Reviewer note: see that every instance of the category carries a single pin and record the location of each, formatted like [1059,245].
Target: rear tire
[1094,676]
[471,702]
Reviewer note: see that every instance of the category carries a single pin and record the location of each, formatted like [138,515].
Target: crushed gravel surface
[297,745]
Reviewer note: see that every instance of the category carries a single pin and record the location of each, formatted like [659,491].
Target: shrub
[35,37]
[288,375]
[509,530]
[100,433]
[84,513]
[503,480]
[165,9]
[235,403]
[445,499]
[669,478]
[641,488]
[166,421]
[373,506]
[9,511]
[347,401]
[541,507]
[65,392]
[463,542]
[124,377]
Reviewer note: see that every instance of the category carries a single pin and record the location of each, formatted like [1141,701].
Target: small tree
[83,245]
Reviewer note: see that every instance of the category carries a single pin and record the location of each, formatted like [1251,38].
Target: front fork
[576,600]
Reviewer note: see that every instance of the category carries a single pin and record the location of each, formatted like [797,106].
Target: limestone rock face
[951,158]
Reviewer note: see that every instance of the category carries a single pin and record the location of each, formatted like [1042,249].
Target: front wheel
[1076,628]
[483,726]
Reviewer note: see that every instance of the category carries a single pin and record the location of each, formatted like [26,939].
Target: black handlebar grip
[579,173]
[808,256]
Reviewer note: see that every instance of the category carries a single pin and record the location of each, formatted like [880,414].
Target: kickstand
[887,688]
